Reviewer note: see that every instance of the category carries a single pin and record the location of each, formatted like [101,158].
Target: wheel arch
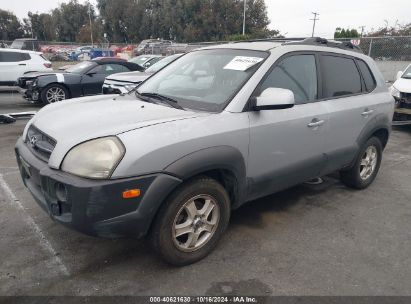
[380,127]
[223,163]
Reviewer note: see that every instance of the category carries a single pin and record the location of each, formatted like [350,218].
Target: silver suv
[216,128]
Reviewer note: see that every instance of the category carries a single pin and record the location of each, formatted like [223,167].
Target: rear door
[287,145]
[351,108]
[12,65]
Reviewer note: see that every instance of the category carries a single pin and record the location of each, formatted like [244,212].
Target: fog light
[131,193]
[61,192]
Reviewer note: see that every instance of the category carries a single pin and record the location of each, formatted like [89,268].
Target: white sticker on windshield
[242,63]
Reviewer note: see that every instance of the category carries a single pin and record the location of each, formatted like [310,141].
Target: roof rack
[274,39]
[317,41]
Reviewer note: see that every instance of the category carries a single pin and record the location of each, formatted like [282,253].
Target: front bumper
[402,112]
[94,207]
[32,94]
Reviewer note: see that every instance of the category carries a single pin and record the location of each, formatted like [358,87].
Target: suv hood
[74,121]
[403,85]
[134,77]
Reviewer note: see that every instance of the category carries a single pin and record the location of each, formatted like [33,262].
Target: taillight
[47,65]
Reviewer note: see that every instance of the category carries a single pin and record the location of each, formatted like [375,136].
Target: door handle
[315,123]
[22,64]
[367,112]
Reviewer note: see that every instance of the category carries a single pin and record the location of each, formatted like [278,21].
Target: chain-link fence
[385,48]
[391,53]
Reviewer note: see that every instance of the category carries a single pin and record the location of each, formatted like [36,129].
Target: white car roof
[20,51]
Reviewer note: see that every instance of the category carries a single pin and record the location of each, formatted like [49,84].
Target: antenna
[314,20]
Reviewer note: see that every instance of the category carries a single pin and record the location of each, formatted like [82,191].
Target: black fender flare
[213,158]
[381,121]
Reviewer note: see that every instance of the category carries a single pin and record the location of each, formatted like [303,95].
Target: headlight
[94,159]
[394,92]
[130,87]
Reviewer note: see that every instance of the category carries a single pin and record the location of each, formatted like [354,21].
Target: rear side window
[297,73]
[13,57]
[369,80]
[341,76]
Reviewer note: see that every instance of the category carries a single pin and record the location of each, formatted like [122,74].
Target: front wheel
[366,167]
[191,222]
[54,93]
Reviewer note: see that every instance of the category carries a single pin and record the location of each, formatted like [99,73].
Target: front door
[92,82]
[287,145]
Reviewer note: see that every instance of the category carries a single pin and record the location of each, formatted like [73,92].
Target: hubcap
[195,223]
[55,94]
[368,162]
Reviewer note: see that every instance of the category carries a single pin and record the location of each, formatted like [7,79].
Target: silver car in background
[122,83]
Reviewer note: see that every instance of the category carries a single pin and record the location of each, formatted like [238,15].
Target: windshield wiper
[168,100]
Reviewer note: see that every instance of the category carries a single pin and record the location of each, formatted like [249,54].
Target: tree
[69,18]
[10,26]
[182,20]
[40,26]
[345,33]
[397,30]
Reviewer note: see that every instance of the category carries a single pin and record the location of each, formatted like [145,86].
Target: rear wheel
[191,222]
[366,167]
[54,93]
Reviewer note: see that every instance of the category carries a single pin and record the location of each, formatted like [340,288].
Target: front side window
[341,76]
[205,80]
[297,73]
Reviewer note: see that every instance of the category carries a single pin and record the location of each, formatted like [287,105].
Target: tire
[174,216]
[358,177]
[61,93]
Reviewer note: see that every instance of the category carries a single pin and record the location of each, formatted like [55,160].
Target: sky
[290,17]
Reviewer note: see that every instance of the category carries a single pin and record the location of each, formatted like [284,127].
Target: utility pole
[362,27]
[314,20]
[245,2]
[91,25]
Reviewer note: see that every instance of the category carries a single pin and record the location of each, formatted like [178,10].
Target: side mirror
[399,74]
[274,98]
[91,74]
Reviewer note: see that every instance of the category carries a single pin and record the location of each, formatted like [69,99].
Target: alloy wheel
[55,94]
[368,162]
[195,223]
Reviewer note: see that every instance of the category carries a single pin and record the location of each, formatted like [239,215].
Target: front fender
[213,158]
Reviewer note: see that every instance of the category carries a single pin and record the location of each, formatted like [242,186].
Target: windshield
[162,63]
[407,73]
[140,60]
[17,44]
[81,68]
[205,80]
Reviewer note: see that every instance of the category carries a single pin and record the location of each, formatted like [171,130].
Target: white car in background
[15,63]
[401,91]
[122,83]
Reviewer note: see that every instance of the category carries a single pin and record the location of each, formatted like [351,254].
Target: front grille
[39,143]
[406,97]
